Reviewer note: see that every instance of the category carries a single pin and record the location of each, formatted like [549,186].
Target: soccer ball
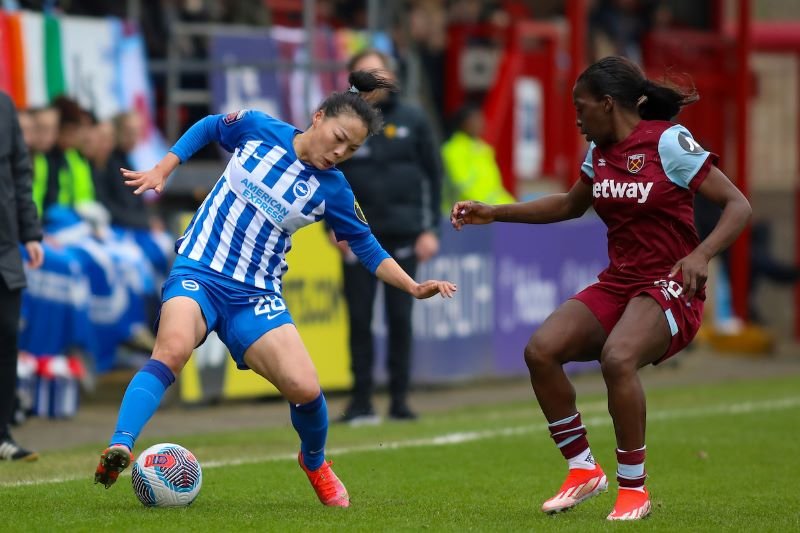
[166,475]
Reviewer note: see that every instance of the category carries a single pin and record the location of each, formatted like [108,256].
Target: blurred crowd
[419,30]
[106,250]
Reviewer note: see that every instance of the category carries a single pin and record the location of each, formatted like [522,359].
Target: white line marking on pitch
[472,436]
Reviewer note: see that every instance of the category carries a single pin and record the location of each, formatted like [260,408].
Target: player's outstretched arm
[390,272]
[155,178]
[544,210]
[226,130]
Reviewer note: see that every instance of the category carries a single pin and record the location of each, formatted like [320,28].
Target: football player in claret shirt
[232,257]
[640,174]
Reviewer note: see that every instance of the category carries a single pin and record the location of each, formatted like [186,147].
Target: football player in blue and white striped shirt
[231,259]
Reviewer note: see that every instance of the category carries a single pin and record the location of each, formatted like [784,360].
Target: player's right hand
[470,212]
[154,179]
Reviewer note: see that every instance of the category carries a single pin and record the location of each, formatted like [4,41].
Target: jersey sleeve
[234,129]
[369,251]
[684,161]
[229,131]
[344,216]
[587,170]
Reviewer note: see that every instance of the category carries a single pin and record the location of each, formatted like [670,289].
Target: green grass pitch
[720,457]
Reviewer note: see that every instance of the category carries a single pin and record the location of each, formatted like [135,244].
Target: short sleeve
[587,169]
[684,161]
[234,129]
[344,215]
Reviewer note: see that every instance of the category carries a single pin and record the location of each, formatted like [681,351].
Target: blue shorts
[239,313]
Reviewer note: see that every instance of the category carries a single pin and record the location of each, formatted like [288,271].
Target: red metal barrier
[530,49]
[783,37]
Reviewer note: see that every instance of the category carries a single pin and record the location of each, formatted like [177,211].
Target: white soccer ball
[166,475]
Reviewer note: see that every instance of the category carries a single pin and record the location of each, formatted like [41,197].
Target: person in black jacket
[118,138]
[396,178]
[18,224]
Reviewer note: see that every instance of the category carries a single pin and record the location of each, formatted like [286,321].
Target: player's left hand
[694,270]
[429,288]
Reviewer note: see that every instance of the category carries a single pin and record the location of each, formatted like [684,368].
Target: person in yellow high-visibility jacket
[470,164]
[62,175]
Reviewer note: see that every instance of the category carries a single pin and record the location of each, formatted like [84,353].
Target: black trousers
[10,304]
[359,289]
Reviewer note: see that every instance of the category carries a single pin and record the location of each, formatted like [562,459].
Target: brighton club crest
[635,163]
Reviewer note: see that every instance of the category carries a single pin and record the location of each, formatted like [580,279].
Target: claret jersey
[643,190]
[243,228]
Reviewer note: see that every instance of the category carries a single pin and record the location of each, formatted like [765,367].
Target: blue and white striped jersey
[243,228]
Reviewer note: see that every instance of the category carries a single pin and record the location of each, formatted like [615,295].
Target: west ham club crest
[635,163]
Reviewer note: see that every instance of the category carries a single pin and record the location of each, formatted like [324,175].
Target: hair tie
[642,99]
[353,89]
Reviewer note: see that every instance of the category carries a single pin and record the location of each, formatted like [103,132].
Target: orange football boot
[580,485]
[329,489]
[631,505]
[113,460]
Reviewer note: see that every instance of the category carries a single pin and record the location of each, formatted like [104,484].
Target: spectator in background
[134,214]
[45,134]
[471,171]
[131,221]
[114,142]
[427,28]
[617,26]
[69,175]
[27,126]
[18,225]
[396,177]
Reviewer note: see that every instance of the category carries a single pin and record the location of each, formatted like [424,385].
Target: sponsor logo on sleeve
[359,212]
[689,144]
[190,285]
[236,116]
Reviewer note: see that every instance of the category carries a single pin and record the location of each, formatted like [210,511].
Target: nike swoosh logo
[270,316]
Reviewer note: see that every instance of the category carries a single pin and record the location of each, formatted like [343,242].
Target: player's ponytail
[364,82]
[357,99]
[661,101]
[625,82]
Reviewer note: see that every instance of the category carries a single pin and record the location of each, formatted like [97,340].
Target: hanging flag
[5,55]
[134,93]
[89,67]
[33,51]
[12,33]
[54,68]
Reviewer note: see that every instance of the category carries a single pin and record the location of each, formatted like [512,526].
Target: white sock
[583,460]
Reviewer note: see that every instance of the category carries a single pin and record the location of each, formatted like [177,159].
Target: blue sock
[310,420]
[141,401]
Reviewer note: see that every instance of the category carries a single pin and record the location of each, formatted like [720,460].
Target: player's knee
[618,360]
[300,389]
[174,353]
[540,352]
